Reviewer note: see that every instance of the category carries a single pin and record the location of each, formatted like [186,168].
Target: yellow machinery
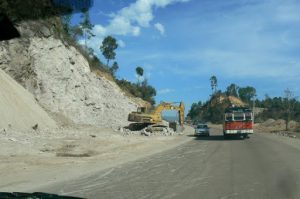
[155,116]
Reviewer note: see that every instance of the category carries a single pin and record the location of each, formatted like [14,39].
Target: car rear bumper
[201,133]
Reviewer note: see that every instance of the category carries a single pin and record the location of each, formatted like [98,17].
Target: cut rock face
[67,86]
[60,79]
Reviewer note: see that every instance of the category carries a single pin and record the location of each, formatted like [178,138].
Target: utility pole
[253,108]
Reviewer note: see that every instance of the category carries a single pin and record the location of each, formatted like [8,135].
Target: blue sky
[182,43]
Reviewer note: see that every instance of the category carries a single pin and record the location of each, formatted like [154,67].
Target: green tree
[76,32]
[232,90]
[66,22]
[247,93]
[86,26]
[73,31]
[140,72]
[114,68]
[148,92]
[195,113]
[213,84]
[289,102]
[108,47]
[144,91]
[211,110]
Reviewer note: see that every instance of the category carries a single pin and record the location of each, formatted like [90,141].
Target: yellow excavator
[144,117]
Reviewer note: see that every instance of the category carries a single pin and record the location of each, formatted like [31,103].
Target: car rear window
[201,126]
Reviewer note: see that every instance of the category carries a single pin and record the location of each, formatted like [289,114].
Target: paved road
[208,168]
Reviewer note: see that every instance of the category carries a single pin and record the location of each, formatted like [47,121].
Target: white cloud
[165,91]
[121,43]
[257,40]
[237,64]
[148,67]
[288,13]
[160,28]
[129,20]
[99,30]
[139,78]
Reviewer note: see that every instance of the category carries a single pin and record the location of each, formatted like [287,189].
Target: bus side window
[248,116]
[228,116]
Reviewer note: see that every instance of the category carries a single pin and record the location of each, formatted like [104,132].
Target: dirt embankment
[19,109]
[278,127]
[272,125]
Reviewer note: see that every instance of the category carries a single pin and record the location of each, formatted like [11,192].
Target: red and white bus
[238,121]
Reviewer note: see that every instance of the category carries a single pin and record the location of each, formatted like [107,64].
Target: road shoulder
[27,166]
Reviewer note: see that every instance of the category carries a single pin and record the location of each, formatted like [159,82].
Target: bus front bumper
[244,131]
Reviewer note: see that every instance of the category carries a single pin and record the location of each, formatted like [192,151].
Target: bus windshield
[238,116]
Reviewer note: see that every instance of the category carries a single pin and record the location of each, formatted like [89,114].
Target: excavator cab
[141,110]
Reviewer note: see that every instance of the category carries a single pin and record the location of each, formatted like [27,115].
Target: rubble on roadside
[149,131]
[286,134]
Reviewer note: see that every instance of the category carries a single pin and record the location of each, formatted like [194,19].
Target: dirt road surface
[264,166]
[29,160]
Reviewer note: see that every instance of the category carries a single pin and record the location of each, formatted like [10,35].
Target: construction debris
[286,134]
[151,130]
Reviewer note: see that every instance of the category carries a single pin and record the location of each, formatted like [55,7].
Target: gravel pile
[18,108]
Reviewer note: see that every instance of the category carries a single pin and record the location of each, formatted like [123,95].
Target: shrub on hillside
[212,110]
[143,90]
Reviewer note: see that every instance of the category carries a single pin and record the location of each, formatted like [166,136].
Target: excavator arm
[155,116]
[153,119]
[181,113]
[170,106]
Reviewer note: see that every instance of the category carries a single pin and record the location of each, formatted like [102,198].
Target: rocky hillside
[213,109]
[60,79]
[226,101]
